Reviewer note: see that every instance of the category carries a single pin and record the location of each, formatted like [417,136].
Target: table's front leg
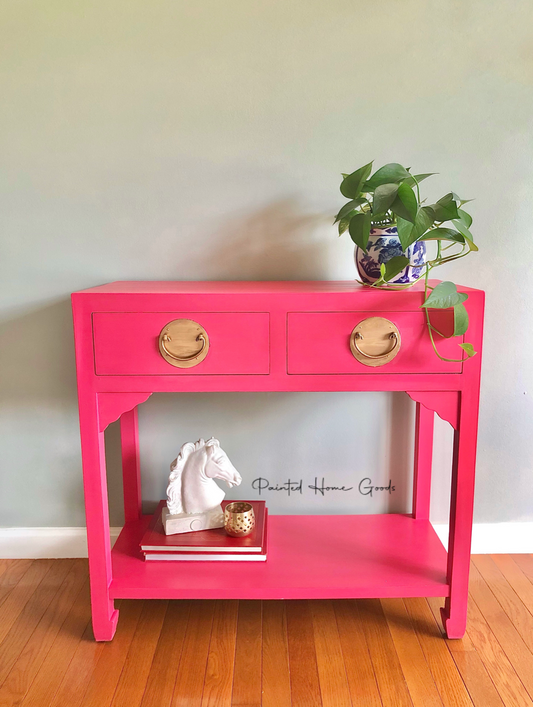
[454,613]
[104,614]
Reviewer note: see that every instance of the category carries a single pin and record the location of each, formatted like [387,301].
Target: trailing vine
[391,197]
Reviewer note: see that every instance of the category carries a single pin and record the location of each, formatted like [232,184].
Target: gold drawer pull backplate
[375,334]
[178,343]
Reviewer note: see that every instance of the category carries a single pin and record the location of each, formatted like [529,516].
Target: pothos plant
[391,197]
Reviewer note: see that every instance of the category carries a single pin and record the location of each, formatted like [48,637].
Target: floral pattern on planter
[384,244]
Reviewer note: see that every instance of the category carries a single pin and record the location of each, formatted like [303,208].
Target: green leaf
[464,217]
[459,200]
[469,238]
[410,181]
[445,209]
[423,220]
[352,184]
[404,231]
[443,234]
[344,223]
[405,204]
[444,295]
[350,206]
[392,172]
[469,349]
[471,245]
[360,229]
[383,198]
[394,267]
[460,319]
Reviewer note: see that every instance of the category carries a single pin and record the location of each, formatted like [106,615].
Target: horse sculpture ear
[212,442]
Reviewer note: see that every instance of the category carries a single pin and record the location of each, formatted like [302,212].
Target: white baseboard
[496,538]
[34,543]
[37,543]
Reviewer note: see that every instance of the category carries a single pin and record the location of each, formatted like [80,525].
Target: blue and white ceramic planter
[384,244]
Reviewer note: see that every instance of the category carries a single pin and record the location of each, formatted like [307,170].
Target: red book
[177,556]
[215,540]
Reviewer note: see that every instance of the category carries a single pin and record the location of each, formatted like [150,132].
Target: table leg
[104,614]
[131,470]
[423,460]
[454,612]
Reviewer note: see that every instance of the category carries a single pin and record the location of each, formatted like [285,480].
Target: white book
[175,557]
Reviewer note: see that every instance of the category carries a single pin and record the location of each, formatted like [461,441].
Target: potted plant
[390,226]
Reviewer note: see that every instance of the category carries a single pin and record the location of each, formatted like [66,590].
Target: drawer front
[127,343]
[319,343]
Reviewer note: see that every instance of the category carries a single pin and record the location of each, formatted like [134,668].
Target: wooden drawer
[127,343]
[319,343]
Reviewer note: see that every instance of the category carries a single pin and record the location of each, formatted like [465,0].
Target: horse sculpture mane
[193,497]
[174,496]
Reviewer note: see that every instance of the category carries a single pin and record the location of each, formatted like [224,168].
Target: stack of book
[203,545]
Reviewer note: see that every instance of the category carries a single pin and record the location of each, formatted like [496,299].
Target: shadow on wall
[277,242]
[37,367]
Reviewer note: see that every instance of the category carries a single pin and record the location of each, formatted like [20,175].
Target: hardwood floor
[366,653]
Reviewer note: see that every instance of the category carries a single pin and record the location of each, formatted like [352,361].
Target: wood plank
[501,625]
[22,629]
[447,678]
[305,687]
[39,643]
[525,562]
[387,668]
[189,685]
[496,663]
[17,599]
[516,578]
[475,676]
[420,682]
[508,599]
[247,688]
[80,669]
[276,676]
[165,665]
[330,661]
[58,659]
[105,676]
[359,669]
[480,687]
[221,659]
[134,676]
[12,572]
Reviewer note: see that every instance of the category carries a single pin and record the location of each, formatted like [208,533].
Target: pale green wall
[179,140]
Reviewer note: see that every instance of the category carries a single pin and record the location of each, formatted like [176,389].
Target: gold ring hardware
[370,341]
[178,343]
[358,335]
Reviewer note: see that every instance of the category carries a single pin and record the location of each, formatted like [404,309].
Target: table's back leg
[423,461]
[131,470]
[104,614]
[454,613]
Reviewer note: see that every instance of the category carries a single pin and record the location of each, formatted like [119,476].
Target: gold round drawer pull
[166,337]
[370,341]
[393,336]
[178,343]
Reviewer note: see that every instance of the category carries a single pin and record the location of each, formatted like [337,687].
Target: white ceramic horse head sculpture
[191,488]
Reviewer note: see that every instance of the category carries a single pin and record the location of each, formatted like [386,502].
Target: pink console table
[275,336]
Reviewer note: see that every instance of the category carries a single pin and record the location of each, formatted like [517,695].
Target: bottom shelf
[309,557]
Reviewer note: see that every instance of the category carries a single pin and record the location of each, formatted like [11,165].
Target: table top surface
[247,286]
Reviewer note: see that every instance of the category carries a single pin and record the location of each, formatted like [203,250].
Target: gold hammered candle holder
[239,519]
